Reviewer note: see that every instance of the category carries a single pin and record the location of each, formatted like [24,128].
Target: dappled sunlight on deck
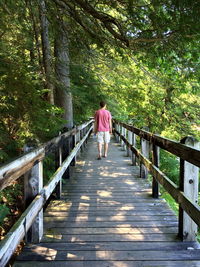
[107,217]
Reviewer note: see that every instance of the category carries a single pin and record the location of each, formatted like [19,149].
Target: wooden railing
[148,157]
[30,225]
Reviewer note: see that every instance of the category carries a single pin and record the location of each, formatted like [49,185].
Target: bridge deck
[106,217]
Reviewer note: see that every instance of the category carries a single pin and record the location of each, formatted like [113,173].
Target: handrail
[34,210]
[190,154]
[13,170]
[179,193]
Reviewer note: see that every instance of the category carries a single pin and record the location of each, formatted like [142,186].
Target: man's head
[102,104]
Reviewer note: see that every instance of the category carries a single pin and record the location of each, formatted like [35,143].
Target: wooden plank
[52,254]
[115,219]
[101,215]
[85,224]
[95,263]
[139,228]
[153,237]
[100,227]
[112,246]
[101,208]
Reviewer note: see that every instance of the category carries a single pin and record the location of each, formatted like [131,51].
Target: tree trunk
[63,96]
[34,19]
[46,49]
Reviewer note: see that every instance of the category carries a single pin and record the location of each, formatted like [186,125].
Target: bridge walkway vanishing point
[107,217]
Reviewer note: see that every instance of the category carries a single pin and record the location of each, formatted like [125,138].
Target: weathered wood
[18,231]
[189,154]
[52,254]
[9,244]
[125,219]
[130,141]
[122,133]
[59,173]
[12,171]
[58,163]
[103,226]
[111,246]
[192,209]
[109,213]
[189,181]
[117,227]
[33,183]
[145,152]
[156,162]
[125,136]
[105,263]
[138,229]
[73,163]
[51,237]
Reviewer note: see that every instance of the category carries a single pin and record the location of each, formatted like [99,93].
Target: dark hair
[102,104]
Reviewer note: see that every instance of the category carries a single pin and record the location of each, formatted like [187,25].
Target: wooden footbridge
[105,213]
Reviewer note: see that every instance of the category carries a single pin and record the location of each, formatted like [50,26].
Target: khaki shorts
[103,137]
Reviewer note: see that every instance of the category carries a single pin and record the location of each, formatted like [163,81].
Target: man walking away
[103,128]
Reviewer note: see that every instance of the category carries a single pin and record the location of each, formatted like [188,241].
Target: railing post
[78,138]
[130,142]
[81,136]
[58,163]
[156,162]
[116,127]
[73,163]
[145,152]
[189,185]
[134,144]
[124,145]
[66,152]
[122,133]
[33,184]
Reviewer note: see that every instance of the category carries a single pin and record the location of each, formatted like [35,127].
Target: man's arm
[110,124]
[95,123]
[95,127]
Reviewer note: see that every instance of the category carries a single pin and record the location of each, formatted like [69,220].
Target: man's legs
[106,142]
[99,149]
[105,149]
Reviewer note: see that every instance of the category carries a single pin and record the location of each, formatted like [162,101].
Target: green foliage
[169,164]
[49,167]
[8,198]
[4,211]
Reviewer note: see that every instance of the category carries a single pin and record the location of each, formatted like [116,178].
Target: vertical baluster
[33,184]
[58,163]
[189,175]
[130,142]
[145,152]
[156,162]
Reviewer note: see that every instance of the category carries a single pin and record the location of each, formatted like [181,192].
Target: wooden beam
[12,171]
[190,154]
[9,244]
[192,209]
[189,181]
[48,189]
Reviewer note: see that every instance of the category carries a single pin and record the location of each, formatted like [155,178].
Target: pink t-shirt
[102,117]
